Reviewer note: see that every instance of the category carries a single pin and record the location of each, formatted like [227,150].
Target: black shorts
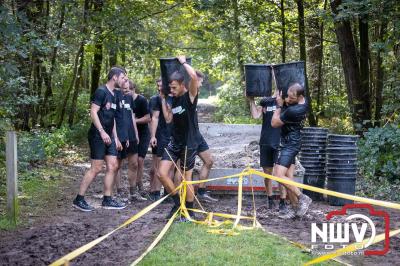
[132,149]
[161,147]
[98,149]
[203,146]
[289,148]
[268,155]
[144,141]
[154,150]
[176,152]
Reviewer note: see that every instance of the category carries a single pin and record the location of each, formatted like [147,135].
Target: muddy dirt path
[62,229]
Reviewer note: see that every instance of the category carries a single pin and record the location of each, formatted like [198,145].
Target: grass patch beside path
[37,190]
[190,244]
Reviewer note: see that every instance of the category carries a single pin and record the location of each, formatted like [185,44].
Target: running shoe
[289,214]
[112,204]
[135,196]
[206,197]
[82,205]
[172,212]
[304,203]
[271,204]
[282,207]
[154,197]
[144,194]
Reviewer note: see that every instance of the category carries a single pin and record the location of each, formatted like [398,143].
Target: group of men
[120,129]
[123,126]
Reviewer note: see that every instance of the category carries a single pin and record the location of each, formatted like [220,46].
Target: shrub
[379,153]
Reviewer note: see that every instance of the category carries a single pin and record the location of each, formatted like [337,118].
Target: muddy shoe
[172,212]
[154,197]
[282,207]
[137,197]
[206,197]
[289,214]
[82,205]
[144,194]
[112,204]
[304,203]
[271,204]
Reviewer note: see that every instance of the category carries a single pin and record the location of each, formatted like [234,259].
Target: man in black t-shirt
[127,133]
[160,132]
[103,141]
[142,116]
[269,144]
[185,133]
[205,155]
[289,116]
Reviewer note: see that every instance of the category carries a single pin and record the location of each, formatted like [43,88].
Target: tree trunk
[48,76]
[238,41]
[78,77]
[303,57]
[98,51]
[315,55]
[358,105]
[364,65]
[379,75]
[71,86]
[33,11]
[77,84]
[283,25]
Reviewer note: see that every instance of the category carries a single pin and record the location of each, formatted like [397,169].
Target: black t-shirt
[123,118]
[269,135]
[141,108]
[108,106]
[185,130]
[163,132]
[293,116]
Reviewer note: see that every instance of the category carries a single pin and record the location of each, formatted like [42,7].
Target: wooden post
[12,186]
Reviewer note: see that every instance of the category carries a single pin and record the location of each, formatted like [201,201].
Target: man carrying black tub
[269,144]
[289,116]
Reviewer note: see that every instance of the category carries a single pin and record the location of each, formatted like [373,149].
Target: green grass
[37,189]
[190,244]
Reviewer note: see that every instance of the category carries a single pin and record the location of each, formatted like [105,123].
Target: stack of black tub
[341,166]
[313,159]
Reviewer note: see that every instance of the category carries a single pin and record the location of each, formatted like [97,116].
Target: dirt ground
[59,229]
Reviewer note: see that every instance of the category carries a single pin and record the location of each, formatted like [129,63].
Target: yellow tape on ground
[70,256]
[239,209]
[158,238]
[351,248]
[329,192]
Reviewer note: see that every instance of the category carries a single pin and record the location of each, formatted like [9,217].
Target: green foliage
[379,153]
[232,106]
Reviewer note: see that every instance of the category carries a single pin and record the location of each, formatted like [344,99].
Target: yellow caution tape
[329,192]
[158,238]
[351,248]
[70,256]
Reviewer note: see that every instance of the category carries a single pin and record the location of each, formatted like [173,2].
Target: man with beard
[185,133]
[103,141]
[289,116]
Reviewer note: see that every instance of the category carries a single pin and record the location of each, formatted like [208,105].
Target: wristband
[101,130]
[183,63]
[278,106]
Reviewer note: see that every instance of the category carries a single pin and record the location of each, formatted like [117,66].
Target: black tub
[169,66]
[258,80]
[347,186]
[288,73]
